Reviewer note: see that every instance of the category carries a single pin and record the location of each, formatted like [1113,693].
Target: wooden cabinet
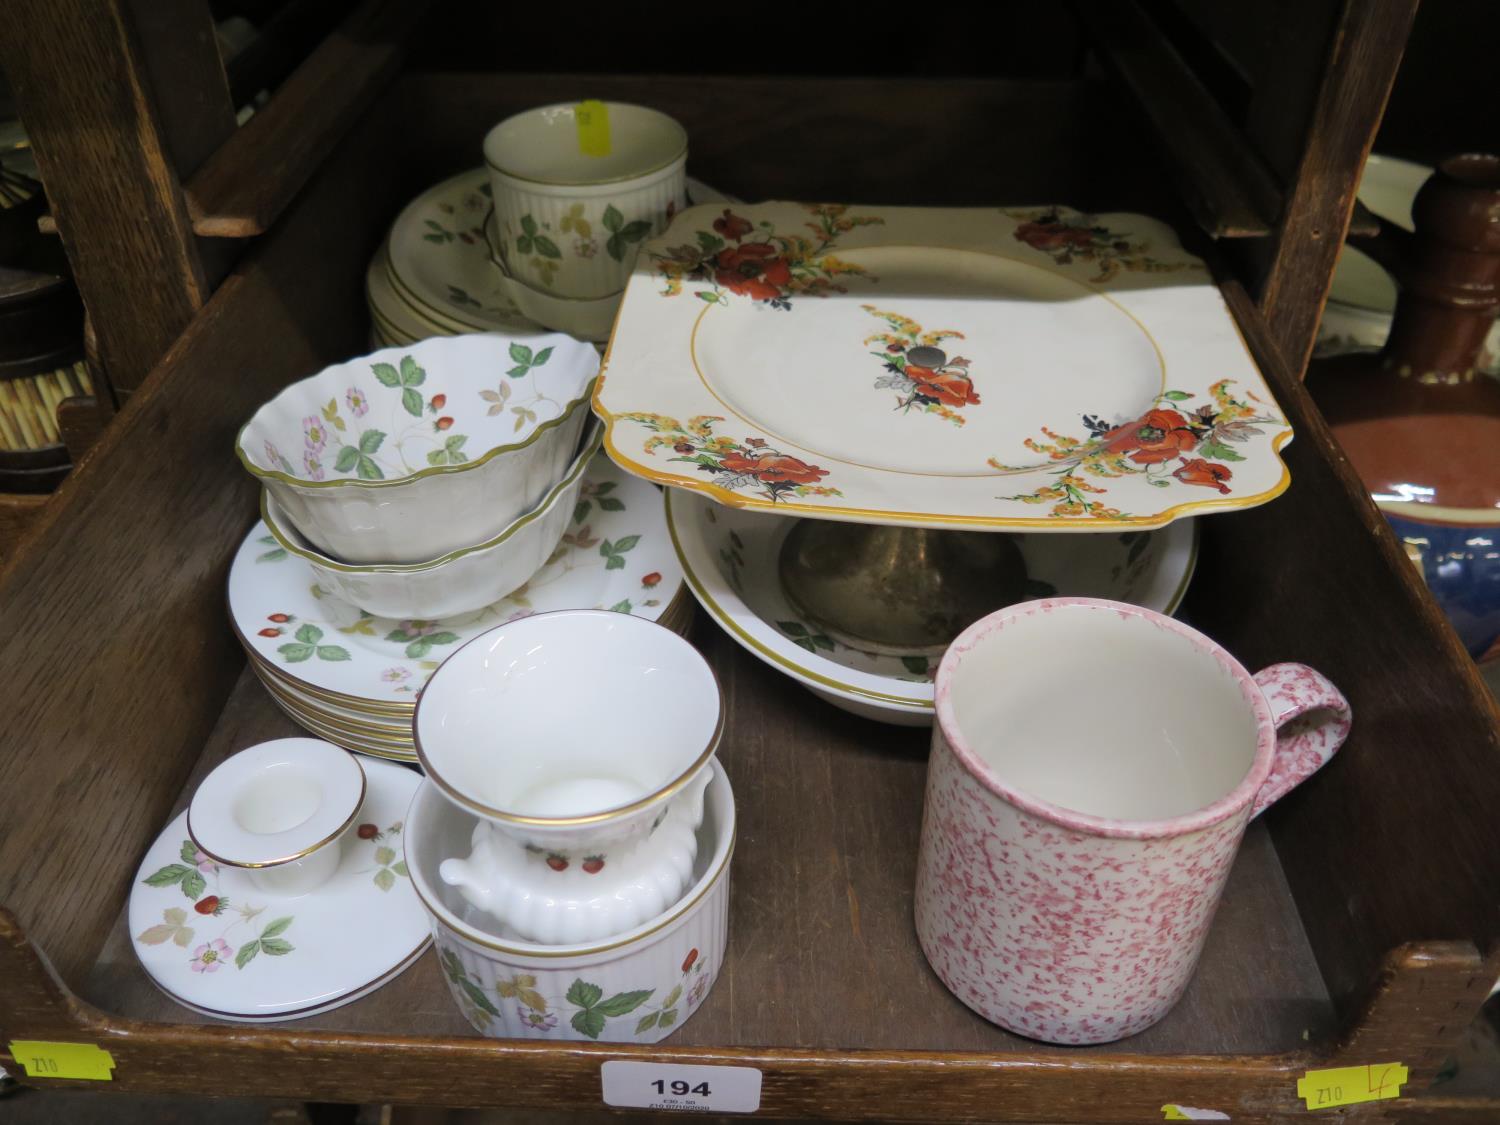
[1359,921]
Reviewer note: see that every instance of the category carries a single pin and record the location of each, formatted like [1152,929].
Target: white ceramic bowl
[635,988]
[414,452]
[567,727]
[458,582]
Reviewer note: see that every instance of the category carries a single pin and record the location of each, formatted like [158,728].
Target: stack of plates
[434,275]
[353,678]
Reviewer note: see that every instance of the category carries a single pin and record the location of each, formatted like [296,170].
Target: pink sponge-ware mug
[1094,766]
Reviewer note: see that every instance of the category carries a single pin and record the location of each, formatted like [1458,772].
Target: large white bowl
[458,582]
[414,452]
[640,986]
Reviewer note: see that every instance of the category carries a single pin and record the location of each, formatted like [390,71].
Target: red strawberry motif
[593,864]
[557,863]
[690,959]
[367,831]
[213,904]
[439,401]
[442,423]
[279,618]
[651,579]
[270,632]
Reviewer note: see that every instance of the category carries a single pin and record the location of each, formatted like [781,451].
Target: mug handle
[1312,720]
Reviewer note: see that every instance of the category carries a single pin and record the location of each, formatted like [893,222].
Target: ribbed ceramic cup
[572,212]
[1094,766]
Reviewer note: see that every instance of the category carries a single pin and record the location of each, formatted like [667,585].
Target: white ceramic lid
[211,939]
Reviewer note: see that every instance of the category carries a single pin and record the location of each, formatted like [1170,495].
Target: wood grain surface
[83,89]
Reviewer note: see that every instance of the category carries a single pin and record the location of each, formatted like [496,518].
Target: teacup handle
[1303,743]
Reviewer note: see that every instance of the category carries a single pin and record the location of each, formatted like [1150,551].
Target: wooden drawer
[1355,923]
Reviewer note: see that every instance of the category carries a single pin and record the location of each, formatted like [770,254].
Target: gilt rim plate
[1029,368]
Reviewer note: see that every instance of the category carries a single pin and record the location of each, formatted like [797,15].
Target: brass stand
[897,589]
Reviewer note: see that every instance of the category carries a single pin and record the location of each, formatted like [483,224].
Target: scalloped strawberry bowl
[413,452]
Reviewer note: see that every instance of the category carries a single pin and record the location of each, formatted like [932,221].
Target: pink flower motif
[395,675]
[313,465]
[520,613]
[203,863]
[695,993]
[209,956]
[586,248]
[315,433]
[273,455]
[537,1021]
[415,629]
[358,404]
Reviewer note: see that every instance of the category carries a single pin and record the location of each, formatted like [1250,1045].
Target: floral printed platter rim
[214,942]
[1157,579]
[710,323]
[616,554]
[436,259]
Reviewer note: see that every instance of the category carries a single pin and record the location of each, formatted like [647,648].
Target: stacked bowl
[574,860]
[415,497]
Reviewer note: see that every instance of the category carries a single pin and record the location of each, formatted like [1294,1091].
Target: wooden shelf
[1354,922]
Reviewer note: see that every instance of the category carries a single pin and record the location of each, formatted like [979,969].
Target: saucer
[216,943]
[434,275]
[616,554]
[730,557]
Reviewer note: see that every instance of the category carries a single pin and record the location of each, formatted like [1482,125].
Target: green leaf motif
[400,869]
[542,357]
[333,652]
[521,354]
[272,556]
[528,224]
[247,953]
[581,994]
[411,374]
[916,665]
[1158,483]
[523,244]
[1176,396]
[442,638]
[669,1017]
[368,470]
[621,607]
[588,1022]
[276,947]
[386,374]
[438,457]
[295,654]
[672,997]
[384,855]
[370,440]
[613,219]
[546,247]
[615,247]
[193,884]
[412,401]
[792,628]
[623,1003]
[347,458]
[710,243]
[610,504]
[309,634]
[1217,451]
[647,1023]
[189,853]
[384,879]
[636,231]
[455,443]
[276,928]
[168,876]
[581,509]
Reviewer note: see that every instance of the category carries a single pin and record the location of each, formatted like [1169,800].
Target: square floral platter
[1036,369]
